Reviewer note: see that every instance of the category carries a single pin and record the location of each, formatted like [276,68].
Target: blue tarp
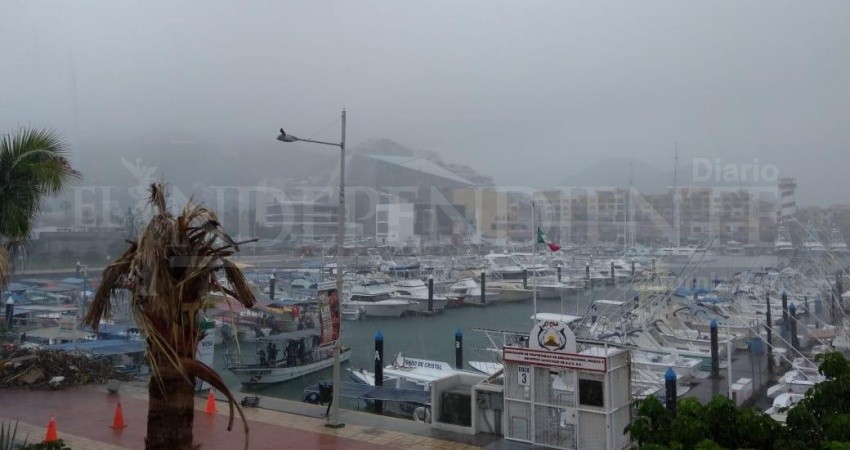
[686,292]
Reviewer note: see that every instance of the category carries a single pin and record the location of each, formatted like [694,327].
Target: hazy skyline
[526,92]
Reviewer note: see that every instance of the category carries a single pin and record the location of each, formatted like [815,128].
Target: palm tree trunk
[171,410]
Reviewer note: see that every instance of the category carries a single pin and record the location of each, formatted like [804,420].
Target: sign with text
[554,359]
[523,375]
[328,301]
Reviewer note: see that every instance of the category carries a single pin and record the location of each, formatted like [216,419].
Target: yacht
[685,368]
[468,291]
[811,244]
[795,382]
[836,243]
[376,300]
[783,245]
[415,291]
[505,266]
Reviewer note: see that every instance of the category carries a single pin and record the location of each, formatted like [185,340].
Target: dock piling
[715,355]
[670,388]
[458,349]
[483,288]
[379,368]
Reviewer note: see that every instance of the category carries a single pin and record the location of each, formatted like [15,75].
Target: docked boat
[794,382]
[685,368]
[376,300]
[409,374]
[415,291]
[468,290]
[783,245]
[283,357]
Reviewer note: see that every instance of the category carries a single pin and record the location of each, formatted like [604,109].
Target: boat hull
[255,376]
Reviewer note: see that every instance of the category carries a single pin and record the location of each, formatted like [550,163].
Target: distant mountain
[389,147]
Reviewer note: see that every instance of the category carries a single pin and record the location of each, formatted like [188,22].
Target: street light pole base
[334,425]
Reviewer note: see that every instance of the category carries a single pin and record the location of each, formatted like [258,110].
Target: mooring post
[715,354]
[458,349]
[379,368]
[430,294]
[671,394]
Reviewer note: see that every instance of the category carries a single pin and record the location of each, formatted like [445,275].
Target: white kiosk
[563,394]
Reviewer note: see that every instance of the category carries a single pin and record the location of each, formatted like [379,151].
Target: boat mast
[676,198]
[534,265]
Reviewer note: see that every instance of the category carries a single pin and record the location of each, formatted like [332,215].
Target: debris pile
[46,369]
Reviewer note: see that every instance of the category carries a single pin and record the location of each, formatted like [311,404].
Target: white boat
[408,373]
[783,245]
[794,382]
[486,367]
[783,402]
[351,312]
[685,368]
[415,291]
[376,300]
[837,244]
[468,290]
[505,266]
[299,354]
[510,291]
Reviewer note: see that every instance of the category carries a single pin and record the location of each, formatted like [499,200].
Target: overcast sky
[525,91]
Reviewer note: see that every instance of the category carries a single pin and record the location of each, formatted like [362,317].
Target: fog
[530,93]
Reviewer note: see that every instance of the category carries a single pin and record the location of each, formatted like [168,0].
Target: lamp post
[333,417]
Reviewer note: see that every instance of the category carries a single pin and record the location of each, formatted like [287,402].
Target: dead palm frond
[171,270]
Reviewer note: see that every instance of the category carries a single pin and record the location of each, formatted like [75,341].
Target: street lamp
[333,417]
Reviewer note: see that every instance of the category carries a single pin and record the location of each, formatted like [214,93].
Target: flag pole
[534,235]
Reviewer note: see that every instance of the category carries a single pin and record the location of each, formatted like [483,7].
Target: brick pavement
[83,416]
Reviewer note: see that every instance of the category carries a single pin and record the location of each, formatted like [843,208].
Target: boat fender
[422,415]
[312,397]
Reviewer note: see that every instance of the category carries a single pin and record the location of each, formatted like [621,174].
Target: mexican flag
[542,239]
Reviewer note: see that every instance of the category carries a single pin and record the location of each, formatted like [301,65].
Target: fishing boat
[283,357]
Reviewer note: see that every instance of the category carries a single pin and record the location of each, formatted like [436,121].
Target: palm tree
[170,271]
[33,165]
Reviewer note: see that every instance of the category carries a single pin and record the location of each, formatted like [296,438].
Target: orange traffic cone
[52,435]
[211,407]
[118,420]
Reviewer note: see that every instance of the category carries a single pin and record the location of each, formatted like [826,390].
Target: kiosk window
[590,393]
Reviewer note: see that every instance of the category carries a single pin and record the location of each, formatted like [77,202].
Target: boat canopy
[296,335]
[563,318]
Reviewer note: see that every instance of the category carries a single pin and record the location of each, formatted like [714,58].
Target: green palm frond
[33,164]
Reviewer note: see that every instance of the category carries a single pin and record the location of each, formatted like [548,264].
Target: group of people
[269,355]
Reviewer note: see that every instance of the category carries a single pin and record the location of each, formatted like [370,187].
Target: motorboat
[376,300]
[467,291]
[415,291]
[409,374]
[783,402]
[685,368]
[283,357]
[794,382]
[783,245]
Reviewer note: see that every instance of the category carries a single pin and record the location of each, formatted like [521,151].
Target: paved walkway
[84,415]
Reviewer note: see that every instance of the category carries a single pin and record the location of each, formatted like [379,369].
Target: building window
[590,393]
[383,215]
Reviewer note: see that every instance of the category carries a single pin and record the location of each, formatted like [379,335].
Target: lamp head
[283,137]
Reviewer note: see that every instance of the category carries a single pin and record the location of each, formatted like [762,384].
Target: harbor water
[426,337]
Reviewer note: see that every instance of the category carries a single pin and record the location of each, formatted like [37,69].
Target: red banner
[328,313]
